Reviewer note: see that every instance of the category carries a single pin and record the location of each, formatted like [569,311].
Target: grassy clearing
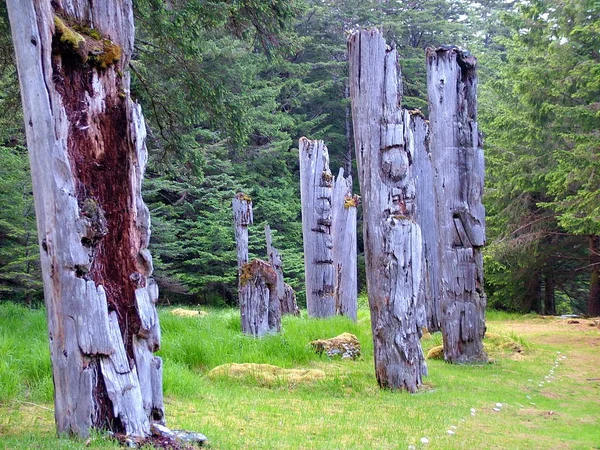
[346,410]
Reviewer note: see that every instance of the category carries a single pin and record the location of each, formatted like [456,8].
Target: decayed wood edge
[316,188]
[457,157]
[343,233]
[84,342]
[285,293]
[393,241]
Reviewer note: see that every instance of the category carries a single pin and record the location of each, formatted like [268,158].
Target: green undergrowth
[344,410]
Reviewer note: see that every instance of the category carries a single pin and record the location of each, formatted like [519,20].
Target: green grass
[347,410]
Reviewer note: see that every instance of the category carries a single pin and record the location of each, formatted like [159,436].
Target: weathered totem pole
[457,157]
[86,142]
[426,217]
[285,293]
[393,240]
[257,280]
[343,233]
[316,189]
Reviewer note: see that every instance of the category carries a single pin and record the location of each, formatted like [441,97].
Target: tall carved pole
[316,189]
[343,232]
[86,142]
[426,216]
[457,157]
[393,242]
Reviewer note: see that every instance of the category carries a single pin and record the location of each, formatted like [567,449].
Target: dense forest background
[229,86]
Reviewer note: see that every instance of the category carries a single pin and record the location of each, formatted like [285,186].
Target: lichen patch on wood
[85,44]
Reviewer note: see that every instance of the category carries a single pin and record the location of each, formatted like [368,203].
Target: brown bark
[594,297]
[86,140]
[393,242]
[457,157]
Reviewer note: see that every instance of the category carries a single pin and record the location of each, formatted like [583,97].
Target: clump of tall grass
[25,368]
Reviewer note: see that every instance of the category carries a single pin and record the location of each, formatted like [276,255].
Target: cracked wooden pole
[259,304]
[343,232]
[457,157]
[242,218]
[316,189]
[257,280]
[86,142]
[426,217]
[393,242]
[285,293]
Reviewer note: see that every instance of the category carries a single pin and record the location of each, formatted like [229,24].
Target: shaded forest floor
[542,389]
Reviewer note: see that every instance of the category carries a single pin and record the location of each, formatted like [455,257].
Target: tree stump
[393,241]
[343,232]
[316,189]
[86,140]
[457,157]
[285,293]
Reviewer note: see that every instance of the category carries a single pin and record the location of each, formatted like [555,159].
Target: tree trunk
[285,293]
[426,216]
[458,163]
[549,294]
[343,233]
[86,141]
[393,242]
[594,298]
[316,189]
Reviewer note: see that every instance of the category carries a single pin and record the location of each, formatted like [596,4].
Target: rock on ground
[345,346]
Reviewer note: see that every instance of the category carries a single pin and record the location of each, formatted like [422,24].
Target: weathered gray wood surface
[316,189]
[393,241]
[86,142]
[343,233]
[455,145]
[260,307]
[285,293]
[242,218]
[426,216]
[259,304]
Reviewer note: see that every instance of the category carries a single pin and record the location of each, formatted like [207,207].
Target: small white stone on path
[424,440]
[450,432]
[499,405]
[496,409]
[473,410]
